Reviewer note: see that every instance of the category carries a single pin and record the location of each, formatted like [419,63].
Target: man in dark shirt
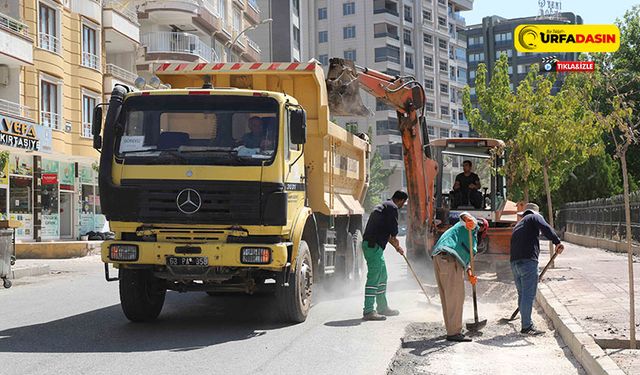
[256,137]
[382,228]
[466,188]
[525,249]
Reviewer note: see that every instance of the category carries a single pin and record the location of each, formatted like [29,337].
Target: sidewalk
[587,297]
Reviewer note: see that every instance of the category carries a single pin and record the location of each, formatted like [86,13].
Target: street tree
[378,182]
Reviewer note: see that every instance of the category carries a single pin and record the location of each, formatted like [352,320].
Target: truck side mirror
[298,126]
[96,128]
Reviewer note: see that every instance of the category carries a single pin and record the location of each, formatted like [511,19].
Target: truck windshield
[198,130]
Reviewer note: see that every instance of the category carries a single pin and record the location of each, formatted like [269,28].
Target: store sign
[49,179]
[24,135]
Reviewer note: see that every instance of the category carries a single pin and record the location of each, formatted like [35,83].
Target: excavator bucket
[344,90]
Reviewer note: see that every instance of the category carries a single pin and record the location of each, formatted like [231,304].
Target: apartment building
[282,40]
[494,36]
[196,31]
[419,38]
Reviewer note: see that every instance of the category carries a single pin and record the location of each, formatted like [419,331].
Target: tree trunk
[627,214]
[547,190]
[526,193]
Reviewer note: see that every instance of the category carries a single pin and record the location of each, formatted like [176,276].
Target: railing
[601,218]
[456,16]
[121,73]
[252,44]
[90,60]
[124,7]
[49,42]
[50,120]
[386,10]
[13,25]
[384,35]
[172,42]
[15,109]
[86,130]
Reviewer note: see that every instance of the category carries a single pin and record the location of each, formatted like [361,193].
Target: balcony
[15,109]
[203,13]
[252,12]
[240,3]
[91,9]
[121,27]
[166,45]
[385,7]
[253,51]
[114,74]
[89,60]
[462,4]
[15,43]
[457,18]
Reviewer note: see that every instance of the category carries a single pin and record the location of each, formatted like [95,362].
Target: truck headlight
[123,252]
[255,255]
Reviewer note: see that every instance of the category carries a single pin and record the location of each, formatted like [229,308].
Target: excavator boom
[406,95]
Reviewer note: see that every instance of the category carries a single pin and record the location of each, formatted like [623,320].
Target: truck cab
[228,189]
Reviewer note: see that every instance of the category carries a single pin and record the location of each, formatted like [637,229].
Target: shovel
[544,270]
[415,275]
[477,324]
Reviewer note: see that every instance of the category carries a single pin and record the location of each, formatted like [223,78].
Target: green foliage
[378,178]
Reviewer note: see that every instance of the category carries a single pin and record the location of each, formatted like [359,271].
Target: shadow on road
[188,322]
[427,347]
[344,323]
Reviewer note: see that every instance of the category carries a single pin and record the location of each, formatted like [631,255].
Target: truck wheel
[360,267]
[141,295]
[294,300]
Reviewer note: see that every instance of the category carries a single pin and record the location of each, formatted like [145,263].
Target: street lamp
[230,45]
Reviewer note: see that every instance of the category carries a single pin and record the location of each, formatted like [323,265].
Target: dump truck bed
[336,161]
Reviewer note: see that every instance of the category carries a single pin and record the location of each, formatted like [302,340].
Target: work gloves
[473,279]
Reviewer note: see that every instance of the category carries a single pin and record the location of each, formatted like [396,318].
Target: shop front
[53,196]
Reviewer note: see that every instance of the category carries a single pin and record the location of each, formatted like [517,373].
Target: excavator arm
[406,95]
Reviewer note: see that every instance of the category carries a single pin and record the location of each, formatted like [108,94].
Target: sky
[592,11]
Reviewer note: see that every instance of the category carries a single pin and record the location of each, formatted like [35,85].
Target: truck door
[293,172]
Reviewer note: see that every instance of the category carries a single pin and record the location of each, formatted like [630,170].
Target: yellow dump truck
[232,180]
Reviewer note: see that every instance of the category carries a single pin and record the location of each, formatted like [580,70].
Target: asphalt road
[70,322]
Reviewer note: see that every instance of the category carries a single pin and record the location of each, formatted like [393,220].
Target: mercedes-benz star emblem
[188,201]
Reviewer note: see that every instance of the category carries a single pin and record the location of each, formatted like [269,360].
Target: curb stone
[591,356]
[18,272]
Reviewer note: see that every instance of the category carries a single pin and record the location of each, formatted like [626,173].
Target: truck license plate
[187,261]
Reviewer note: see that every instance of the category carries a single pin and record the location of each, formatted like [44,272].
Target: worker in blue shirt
[382,228]
[525,249]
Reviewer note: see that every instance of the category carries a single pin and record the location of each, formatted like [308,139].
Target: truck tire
[141,295]
[294,301]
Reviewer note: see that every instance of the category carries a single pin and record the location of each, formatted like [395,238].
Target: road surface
[70,322]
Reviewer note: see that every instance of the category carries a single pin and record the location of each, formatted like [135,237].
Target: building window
[296,37]
[508,52]
[428,84]
[48,29]
[426,15]
[444,110]
[444,89]
[503,37]
[324,59]
[323,36]
[381,105]
[50,104]
[408,60]
[462,75]
[472,91]
[428,61]
[408,16]
[407,37]
[472,74]
[387,53]
[348,8]
[443,67]
[322,13]
[427,39]
[296,6]
[350,54]
[475,40]
[89,102]
[237,21]
[348,32]
[383,30]
[522,69]
[429,107]
[431,130]
[90,52]
[443,44]
[475,57]
[444,133]
[442,21]
[461,54]
[461,115]
[510,69]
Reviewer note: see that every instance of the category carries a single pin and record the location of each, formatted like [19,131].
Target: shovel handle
[415,275]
